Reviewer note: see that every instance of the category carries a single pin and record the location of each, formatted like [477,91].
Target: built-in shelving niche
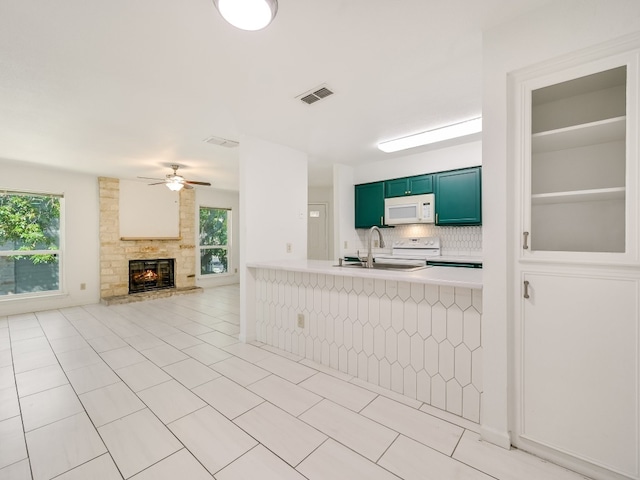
[578,160]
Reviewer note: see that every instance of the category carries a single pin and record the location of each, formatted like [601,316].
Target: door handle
[382,220]
[525,245]
[526,289]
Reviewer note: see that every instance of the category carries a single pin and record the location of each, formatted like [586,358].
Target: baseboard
[496,437]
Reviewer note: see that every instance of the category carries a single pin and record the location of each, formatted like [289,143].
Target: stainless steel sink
[386,266]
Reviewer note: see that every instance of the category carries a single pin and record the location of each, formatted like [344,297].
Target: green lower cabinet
[459,197]
[369,199]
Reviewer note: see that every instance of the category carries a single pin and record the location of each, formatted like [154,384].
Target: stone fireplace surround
[116,251]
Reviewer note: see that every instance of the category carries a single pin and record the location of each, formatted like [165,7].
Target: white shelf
[603,131]
[600,194]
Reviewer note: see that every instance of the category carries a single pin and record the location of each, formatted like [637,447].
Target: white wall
[558,28]
[468,154]
[148,212]
[210,197]
[345,236]
[273,214]
[81,255]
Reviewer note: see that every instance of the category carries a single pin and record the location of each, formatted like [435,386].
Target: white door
[317,232]
[579,367]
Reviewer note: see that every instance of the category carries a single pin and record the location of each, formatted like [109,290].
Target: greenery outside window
[215,240]
[30,246]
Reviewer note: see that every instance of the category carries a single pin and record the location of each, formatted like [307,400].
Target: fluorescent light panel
[433,136]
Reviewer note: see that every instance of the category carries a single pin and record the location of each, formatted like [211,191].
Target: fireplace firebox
[154,274]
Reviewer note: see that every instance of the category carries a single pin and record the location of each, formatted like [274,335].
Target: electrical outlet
[83,286]
[346,244]
[288,248]
[301,320]
[376,243]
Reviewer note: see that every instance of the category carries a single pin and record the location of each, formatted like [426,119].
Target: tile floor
[163,390]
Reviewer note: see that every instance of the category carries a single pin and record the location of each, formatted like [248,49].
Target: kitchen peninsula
[416,333]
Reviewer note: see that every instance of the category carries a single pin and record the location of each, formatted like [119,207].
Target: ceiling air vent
[309,99]
[223,142]
[315,94]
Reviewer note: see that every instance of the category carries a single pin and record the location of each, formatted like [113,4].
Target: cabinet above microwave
[400,187]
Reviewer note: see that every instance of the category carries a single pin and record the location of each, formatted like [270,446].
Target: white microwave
[411,209]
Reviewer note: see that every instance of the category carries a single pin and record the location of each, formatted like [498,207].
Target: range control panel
[420,246]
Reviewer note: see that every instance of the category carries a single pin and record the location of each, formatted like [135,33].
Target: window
[214,245]
[29,243]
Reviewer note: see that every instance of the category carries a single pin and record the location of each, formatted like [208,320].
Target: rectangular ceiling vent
[315,94]
[223,142]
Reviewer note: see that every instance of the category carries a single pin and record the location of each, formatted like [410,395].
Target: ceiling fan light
[175,186]
[248,14]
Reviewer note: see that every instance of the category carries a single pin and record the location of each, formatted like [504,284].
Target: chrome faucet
[369,263]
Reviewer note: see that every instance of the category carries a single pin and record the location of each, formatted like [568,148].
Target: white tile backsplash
[422,341]
[453,240]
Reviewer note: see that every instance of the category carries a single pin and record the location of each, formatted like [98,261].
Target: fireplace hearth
[152,274]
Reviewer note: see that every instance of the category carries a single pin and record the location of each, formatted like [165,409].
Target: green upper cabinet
[420,184]
[369,199]
[408,186]
[459,197]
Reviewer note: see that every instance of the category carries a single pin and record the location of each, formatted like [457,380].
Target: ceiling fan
[176,182]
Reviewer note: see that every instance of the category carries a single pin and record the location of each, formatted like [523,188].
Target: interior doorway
[317,232]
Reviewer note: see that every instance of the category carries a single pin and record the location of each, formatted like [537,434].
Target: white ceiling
[124,88]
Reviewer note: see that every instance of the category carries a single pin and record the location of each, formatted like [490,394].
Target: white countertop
[449,276]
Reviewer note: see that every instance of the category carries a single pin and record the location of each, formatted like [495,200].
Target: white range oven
[424,250]
[412,251]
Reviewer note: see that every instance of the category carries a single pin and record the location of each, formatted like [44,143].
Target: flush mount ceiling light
[247,14]
[432,136]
